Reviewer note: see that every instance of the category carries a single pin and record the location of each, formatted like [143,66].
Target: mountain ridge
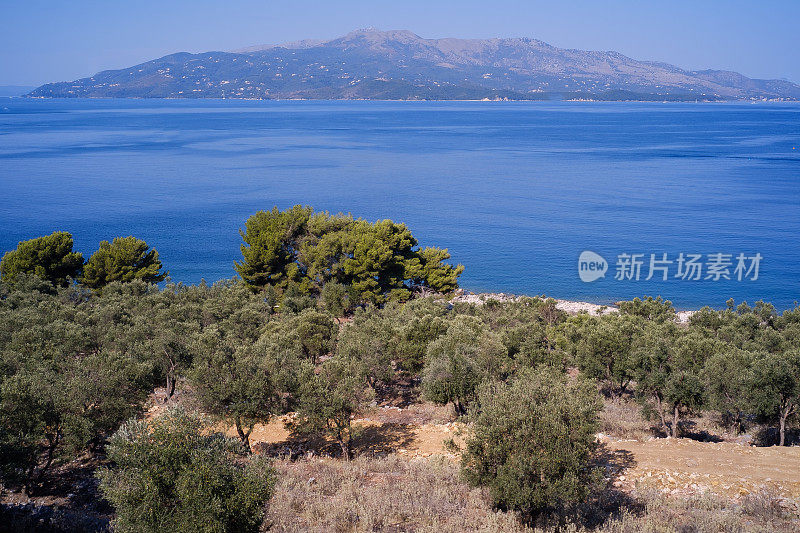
[400,65]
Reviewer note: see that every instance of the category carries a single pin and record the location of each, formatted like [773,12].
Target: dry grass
[389,494]
[398,495]
[622,419]
[763,512]
[415,413]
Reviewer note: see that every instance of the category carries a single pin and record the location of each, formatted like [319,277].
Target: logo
[591,266]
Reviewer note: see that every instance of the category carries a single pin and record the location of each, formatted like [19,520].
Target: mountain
[398,65]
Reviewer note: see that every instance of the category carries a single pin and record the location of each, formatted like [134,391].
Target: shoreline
[501,100]
[571,307]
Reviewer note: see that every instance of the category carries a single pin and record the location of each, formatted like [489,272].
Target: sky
[50,40]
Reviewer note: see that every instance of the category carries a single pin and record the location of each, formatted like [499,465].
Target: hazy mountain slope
[401,65]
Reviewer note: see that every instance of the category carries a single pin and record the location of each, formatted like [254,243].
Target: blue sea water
[515,190]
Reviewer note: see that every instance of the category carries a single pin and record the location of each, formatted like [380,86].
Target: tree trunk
[783,429]
[34,481]
[170,376]
[243,435]
[345,445]
[675,416]
[661,412]
[739,423]
[344,442]
[170,388]
[459,407]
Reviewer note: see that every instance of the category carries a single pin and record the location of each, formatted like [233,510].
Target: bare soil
[672,466]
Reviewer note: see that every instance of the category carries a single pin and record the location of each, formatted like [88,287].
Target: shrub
[655,309]
[171,476]
[532,442]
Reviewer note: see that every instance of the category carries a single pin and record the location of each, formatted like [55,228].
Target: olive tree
[459,360]
[171,475]
[667,376]
[316,333]
[532,440]
[329,398]
[61,390]
[727,378]
[233,384]
[368,339]
[604,350]
[775,388]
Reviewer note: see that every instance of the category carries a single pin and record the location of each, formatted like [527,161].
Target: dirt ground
[673,466]
[685,466]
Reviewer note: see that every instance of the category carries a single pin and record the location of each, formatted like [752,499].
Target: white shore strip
[568,306]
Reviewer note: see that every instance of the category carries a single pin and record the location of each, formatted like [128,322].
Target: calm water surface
[516,191]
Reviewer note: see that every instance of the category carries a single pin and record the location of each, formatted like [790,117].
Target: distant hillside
[399,65]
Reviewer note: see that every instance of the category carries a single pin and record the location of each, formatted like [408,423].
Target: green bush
[532,441]
[169,475]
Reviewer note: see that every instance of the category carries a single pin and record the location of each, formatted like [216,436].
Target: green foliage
[368,340]
[59,391]
[727,378]
[49,258]
[435,273]
[775,388]
[336,298]
[51,410]
[532,441]
[124,259]
[527,327]
[271,240]
[330,396]
[232,379]
[170,475]
[667,376]
[459,360]
[232,382]
[603,349]
[413,338]
[29,430]
[316,333]
[655,309]
[376,262]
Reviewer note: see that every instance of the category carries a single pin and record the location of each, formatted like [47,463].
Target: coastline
[572,307]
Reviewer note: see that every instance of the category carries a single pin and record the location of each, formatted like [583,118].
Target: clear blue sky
[52,40]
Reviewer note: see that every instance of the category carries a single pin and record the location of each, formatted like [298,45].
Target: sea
[587,201]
